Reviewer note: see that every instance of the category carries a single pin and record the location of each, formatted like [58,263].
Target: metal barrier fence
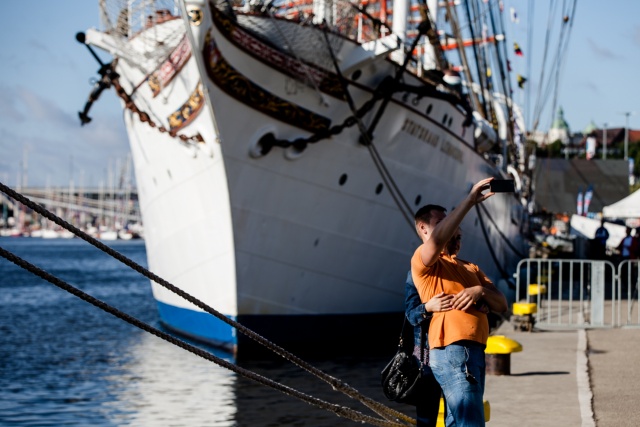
[580,293]
[628,274]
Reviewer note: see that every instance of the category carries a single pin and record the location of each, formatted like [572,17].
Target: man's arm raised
[443,231]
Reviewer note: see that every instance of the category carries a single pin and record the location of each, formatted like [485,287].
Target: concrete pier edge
[585,395]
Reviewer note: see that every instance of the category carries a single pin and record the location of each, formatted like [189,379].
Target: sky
[45,80]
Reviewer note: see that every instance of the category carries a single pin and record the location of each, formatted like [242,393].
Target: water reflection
[161,384]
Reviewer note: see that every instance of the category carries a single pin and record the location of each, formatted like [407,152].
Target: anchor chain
[145,118]
[350,121]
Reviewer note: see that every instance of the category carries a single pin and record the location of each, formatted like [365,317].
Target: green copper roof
[559,122]
[590,128]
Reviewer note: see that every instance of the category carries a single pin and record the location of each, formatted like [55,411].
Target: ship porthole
[429,108]
[418,199]
[379,188]
[343,179]
[450,121]
[261,146]
[444,119]
[294,151]
[356,75]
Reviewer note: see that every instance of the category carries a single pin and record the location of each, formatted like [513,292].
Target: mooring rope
[377,407]
[341,411]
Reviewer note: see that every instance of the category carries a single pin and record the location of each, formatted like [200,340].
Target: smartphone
[502,186]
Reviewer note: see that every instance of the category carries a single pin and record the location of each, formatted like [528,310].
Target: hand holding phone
[502,186]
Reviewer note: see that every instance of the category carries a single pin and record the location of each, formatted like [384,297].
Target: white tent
[586,227]
[629,207]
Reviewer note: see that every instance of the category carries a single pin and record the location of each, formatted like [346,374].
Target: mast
[463,57]
[433,56]
[399,26]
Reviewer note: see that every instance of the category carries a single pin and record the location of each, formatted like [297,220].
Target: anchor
[108,75]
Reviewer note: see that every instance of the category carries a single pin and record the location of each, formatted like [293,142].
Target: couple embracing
[454,296]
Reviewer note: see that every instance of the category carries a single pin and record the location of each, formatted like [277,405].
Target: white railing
[628,274]
[580,293]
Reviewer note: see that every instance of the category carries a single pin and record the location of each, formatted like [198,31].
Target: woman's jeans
[460,370]
[427,408]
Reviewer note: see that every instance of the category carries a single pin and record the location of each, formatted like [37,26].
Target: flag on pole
[587,199]
[521,80]
[517,50]
[514,15]
[579,207]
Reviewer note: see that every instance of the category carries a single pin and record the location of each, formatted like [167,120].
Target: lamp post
[626,135]
[626,132]
[604,143]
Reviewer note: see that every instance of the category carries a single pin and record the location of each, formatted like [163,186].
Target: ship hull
[306,246]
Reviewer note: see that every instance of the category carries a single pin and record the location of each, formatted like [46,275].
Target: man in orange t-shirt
[457,338]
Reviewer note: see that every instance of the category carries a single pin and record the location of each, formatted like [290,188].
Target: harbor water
[66,362]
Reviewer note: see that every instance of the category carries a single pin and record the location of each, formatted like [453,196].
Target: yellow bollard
[522,318]
[498,354]
[440,422]
[536,289]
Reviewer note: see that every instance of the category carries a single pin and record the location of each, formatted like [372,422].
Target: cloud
[48,56]
[602,52]
[9,107]
[36,44]
[57,147]
[41,108]
[593,87]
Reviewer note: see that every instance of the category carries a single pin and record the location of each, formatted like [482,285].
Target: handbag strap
[422,344]
[422,341]
[404,322]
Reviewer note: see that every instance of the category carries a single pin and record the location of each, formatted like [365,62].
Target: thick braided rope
[377,407]
[341,411]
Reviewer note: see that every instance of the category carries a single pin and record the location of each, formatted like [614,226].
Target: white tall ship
[277,186]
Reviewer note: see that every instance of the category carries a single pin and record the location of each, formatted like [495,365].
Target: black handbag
[402,378]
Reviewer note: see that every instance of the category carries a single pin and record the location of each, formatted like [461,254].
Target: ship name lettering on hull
[420,132]
[451,151]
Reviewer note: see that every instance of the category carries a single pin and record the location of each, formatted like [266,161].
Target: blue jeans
[460,370]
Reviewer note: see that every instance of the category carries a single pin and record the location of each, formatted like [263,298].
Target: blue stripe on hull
[198,325]
[303,335]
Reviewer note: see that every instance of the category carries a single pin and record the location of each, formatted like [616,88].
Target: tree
[552,150]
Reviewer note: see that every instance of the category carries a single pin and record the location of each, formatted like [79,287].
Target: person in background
[627,251]
[635,244]
[599,242]
[458,337]
[625,248]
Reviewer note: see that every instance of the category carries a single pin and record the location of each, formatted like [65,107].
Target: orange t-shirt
[450,276]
